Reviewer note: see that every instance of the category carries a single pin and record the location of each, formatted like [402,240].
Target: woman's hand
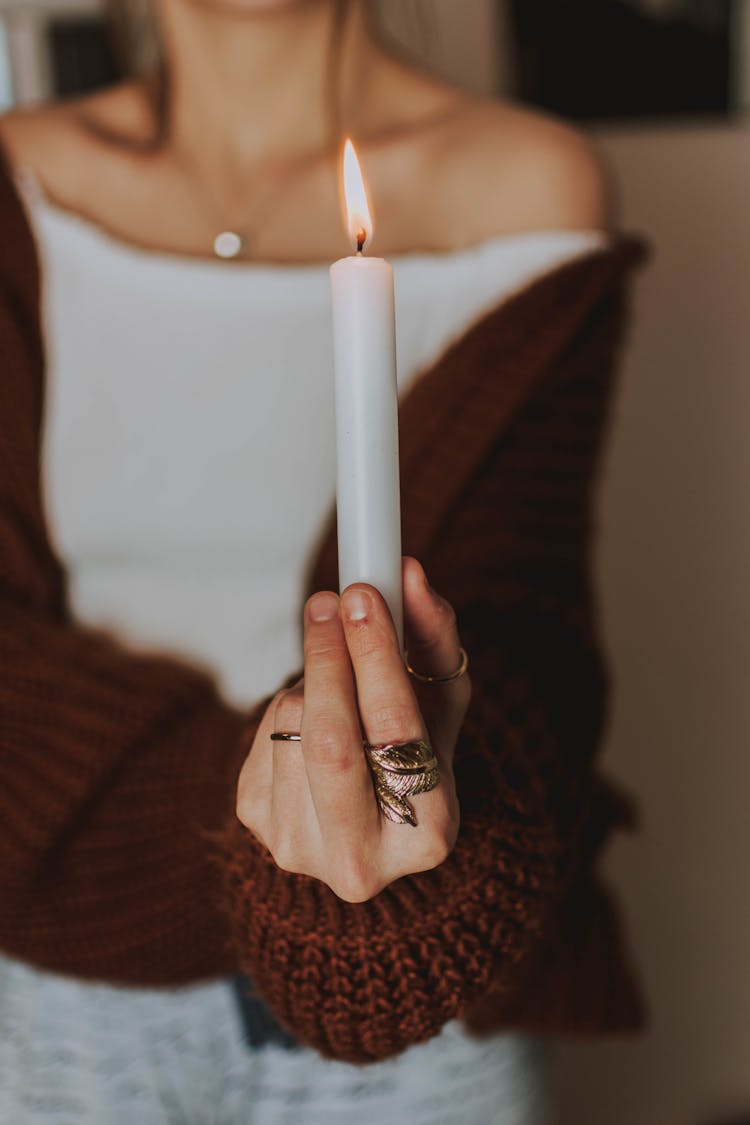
[312,803]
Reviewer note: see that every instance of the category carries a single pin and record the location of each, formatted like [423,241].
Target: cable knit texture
[121,858]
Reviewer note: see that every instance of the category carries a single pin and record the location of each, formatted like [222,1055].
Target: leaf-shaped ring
[401,770]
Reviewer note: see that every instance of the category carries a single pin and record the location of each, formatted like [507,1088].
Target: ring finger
[290,793]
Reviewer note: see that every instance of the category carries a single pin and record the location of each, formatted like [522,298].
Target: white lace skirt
[73,1053]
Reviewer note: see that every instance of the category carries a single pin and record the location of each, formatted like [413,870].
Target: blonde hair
[135,34]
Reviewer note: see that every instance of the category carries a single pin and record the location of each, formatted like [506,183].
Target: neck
[248,88]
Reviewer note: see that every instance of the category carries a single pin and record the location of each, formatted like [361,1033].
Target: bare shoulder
[32,137]
[505,169]
[57,142]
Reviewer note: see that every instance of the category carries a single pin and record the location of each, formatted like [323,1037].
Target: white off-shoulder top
[216,401]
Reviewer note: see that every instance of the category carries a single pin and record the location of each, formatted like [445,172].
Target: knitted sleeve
[114,767]
[363,981]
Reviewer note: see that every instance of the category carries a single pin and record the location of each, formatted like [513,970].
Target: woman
[161,520]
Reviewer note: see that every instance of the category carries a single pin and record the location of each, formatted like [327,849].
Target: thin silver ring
[283,736]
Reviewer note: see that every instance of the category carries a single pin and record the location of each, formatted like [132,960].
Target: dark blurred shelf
[610,59]
[81,55]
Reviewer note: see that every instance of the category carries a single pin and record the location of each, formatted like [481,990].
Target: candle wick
[361,239]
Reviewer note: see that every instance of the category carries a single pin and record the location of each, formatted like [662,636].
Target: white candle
[367,477]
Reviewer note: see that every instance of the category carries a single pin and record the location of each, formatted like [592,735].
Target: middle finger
[387,704]
[339,777]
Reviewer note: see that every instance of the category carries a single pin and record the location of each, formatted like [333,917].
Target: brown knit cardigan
[120,855]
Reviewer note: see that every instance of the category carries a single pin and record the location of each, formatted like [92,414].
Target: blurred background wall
[673,559]
[674,570]
[674,573]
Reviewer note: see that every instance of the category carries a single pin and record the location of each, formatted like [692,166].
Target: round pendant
[228,244]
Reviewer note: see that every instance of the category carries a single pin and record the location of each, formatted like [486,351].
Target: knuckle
[438,846]
[436,856]
[426,647]
[244,809]
[372,639]
[392,719]
[285,853]
[324,649]
[289,712]
[366,640]
[248,807]
[353,879]
[277,700]
[296,691]
[447,613]
[248,801]
[353,894]
[329,745]
[287,692]
[445,619]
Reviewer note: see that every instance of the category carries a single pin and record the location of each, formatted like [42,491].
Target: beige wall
[675,575]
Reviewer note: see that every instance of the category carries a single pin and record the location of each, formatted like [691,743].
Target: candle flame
[358,214]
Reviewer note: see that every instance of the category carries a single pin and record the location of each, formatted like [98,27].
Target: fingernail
[356,605]
[323,607]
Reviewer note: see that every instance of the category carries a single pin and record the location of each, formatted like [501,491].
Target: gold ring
[282,736]
[425,679]
[401,770]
